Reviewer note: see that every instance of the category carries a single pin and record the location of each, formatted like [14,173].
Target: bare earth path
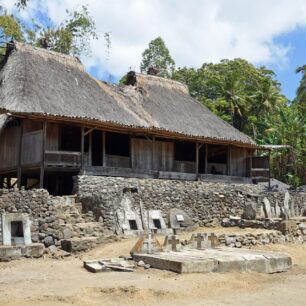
[49,282]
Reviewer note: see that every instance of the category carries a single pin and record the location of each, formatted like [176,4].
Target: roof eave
[108,125]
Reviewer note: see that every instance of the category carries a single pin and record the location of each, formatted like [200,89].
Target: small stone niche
[157,223]
[133,225]
[129,222]
[16,229]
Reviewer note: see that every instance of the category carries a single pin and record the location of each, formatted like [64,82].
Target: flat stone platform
[8,252]
[218,260]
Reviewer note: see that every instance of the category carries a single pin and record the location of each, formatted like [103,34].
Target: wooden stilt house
[57,121]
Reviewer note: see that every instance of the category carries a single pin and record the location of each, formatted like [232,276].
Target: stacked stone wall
[206,203]
[39,205]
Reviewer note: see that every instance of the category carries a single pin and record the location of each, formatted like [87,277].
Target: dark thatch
[39,82]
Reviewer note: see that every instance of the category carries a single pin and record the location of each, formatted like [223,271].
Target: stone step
[82,229]
[65,200]
[75,245]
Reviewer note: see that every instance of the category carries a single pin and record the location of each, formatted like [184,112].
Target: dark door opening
[60,183]
[70,139]
[117,144]
[157,223]
[97,148]
[185,151]
[16,229]
[133,225]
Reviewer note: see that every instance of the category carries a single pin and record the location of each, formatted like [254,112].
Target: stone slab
[14,252]
[218,260]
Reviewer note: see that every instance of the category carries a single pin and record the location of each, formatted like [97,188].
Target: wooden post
[206,155]
[42,163]
[251,162]
[269,169]
[103,149]
[82,147]
[131,153]
[20,155]
[228,166]
[90,149]
[197,160]
[153,153]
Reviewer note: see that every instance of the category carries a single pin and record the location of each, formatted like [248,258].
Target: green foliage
[300,100]
[288,128]
[158,56]
[250,99]
[234,90]
[10,28]
[70,37]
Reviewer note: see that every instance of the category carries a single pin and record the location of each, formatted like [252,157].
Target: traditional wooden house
[57,121]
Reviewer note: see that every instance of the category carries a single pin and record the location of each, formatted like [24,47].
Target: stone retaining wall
[38,204]
[206,203]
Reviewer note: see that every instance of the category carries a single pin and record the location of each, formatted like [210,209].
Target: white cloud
[195,31]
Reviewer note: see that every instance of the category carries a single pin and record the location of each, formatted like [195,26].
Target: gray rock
[238,244]
[48,241]
[147,266]
[67,233]
[249,213]
[53,249]
[302,226]
[141,263]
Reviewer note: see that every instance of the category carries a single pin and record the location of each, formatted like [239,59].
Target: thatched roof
[35,81]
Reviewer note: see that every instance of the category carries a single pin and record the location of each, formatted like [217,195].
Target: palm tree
[301,91]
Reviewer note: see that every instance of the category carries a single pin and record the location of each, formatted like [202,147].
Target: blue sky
[264,32]
[296,57]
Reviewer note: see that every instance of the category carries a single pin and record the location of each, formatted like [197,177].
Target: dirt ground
[47,282]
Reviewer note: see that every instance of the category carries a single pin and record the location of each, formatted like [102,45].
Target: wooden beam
[104,149]
[42,163]
[228,162]
[153,153]
[112,127]
[206,155]
[269,169]
[90,130]
[197,160]
[90,149]
[131,153]
[82,147]
[147,137]
[251,162]
[20,155]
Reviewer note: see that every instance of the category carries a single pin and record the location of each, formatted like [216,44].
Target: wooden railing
[63,159]
[260,168]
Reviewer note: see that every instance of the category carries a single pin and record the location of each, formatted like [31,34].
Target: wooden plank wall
[52,139]
[164,156]
[9,139]
[31,125]
[31,148]
[238,161]
[142,154]
[184,166]
[117,161]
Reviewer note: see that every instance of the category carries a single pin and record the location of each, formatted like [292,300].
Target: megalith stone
[267,208]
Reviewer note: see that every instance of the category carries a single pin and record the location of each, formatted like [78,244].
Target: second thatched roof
[36,81]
